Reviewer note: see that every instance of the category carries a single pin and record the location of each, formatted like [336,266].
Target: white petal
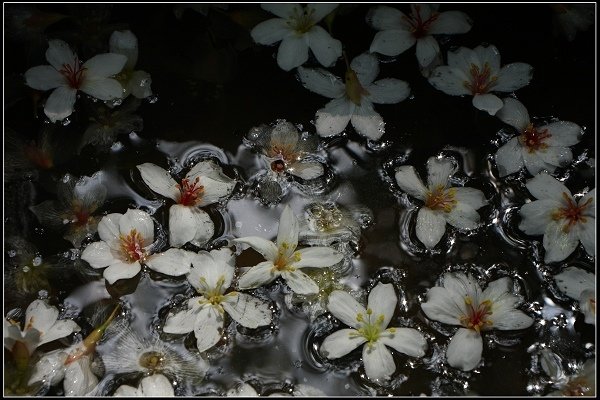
[428,51]
[392,42]
[558,243]
[366,67]
[50,368]
[587,235]
[543,186]
[460,286]
[536,215]
[60,103]
[514,114]
[125,43]
[189,224]
[121,271]
[140,221]
[321,82]
[79,378]
[207,271]
[534,163]
[450,22]
[367,122]
[139,84]
[557,156]
[270,31]
[431,226]
[103,88]
[321,10]
[156,385]
[449,80]
[40,315]
[243,390]
[438,171]
[208,328]
[98,255]
[43,77]
[282,10]
[59,53]
[472,197]
[382,300]
[463,216]
[388,91]
[509,157]
[487,102]
[215,190]
[488,54]
[384,17]
[340,343]
[265,247]
[127,391]
[563,133]
[513,76]
[345,308]
[173,262]
[108,228]
[442,306]
[409,182]
[209,169]
[306,170]
[572,281]
[247,310]
[159,180]
[587,305]
[299,282]
[104,65]
[406,340]
[378,361]
[183,321]
[293,52]
[287,232]
[325,48]
[259,275]
[461,59]
[59,329]
[589,199]
[12,334]
[464,350]
[510,319]
[302,390]
[318,257]
[334,117]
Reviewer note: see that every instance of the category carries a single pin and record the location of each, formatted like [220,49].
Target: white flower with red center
[441,203]
[369,327]
[460,301]
[478,73]
[134,82]
[298,31]
[399,32]
[537,147]
[127,242]
[282,258]
[204,184]
[580,285]
[353,98]
[156,385]
[66,75]
[562,220]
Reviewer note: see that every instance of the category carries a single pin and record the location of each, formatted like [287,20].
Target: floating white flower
[282,258]
[442,203]
[353,99]
[66,76]
[538,148]
[399,32]
[562,220]
[580,285]
[477,72]
[204,184]
[298,31]
[368,327]
[136,82]
[211,275]
[126,242]
[77,376]
[460,301]
[151,386]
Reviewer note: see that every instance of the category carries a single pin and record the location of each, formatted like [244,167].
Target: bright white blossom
[282,258]
[151,386]
[442,203]
[204,184]
[562,220]
[353,98]
[298,31]
[477,72]
[66,76]
[211,275]
[399,32]
[580,285]
[136,82]
[368,327]
[537,147]
[460,301]
[56,366]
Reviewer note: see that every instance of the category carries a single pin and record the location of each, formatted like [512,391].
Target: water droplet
[37,261]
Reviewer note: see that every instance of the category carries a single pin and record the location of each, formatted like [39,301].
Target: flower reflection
[136,83]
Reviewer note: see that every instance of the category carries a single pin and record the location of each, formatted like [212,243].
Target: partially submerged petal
[572,281]
[247,310]
[265,247]
[334,117]
[345,308]
[388,91]
[189,224]
[299,282]
[558,243]
[321,82]
[366,67]
[367,122]
[487,102]
[378,361]
[103,88]
[318,257]
[59,104]
[430,228]
[183,321]
[159,180]
[464,350]
[208,328]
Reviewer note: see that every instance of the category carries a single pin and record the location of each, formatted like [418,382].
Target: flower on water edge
[66,75]
[579,285]
[460,301]
[562,220]
[298,31]
[135,82]
[353,99]
[477,72]
[538,148]
[282,258]
[369,327]
[204,184]
[442,203]
[156,385]
[581,384]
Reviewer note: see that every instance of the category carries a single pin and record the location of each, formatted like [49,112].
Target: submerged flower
[562,220]
[136,83]
[330,222]
[399,32]
[66,76]
[282,258]
[211,275]
[581,384]
[369,327]
[204,184]
[354,97]
[442,203]
[477,72]
[460,301]
[298,31]
[580,285]
[537,147]
[573,17]
[151,386]
[77,376]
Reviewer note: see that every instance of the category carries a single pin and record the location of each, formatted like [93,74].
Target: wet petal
[366,67]
[449,80]
[125,43]
[378,361]
[104,65]
[534,163]
[183,321]
[306,170]
[430,227]
[299,282]
[572,281]
[388,91]
[450,22]
[325,48]
[215,190]
[50,368]
[487,102]
[513,76]
[558,243]
[321,82]
[536,215]
[384,17]
[156,385]
[59,53]
[189,224]
[208,328]
[514,114]
[59,329]
[43,77]
[261,274]
[321,10]
[464,350]
[79,379]
[543,186]
[98,255]
[282,10]
[563,133]
[428,51]
[439,170]
[587,305]
[159,180]
[587,235]
[103,88]
[334,117]
[382,300]
[247,310]
[318,257]
[510,319]
[463,216]
[558,156]
[287,233]
[139,84]
[207,271]
[367,122]
[270,31]
[340,343]
[461,59]
[293,52]
[41,316]
[470,196]
[409,182]
[392,42]
[405,340]
[509,157]
[60,103]
[121,270]
[140,221]
[488,54]
[442,306]
[345,308]
[460,286]
[108,228]
[265,247]
[127,391]
[173,262]
[590,200]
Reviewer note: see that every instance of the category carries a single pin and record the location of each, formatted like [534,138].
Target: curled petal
[159,180]
[318,257]
[487,102]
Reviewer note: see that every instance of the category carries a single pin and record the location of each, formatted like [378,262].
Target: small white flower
[442,203]
[562,220]
[298,31]
[151,386]
[211,275]
[477,72]
[136,83]
[282,258]
[368,327]
[460,301]
[538,148]
[55,366]
[66,76]
[580,285]
[354,97]
[204,184]
[580,384]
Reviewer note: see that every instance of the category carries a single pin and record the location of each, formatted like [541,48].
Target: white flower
[399,32]
[580,285]
[300,390]
[136,83]
[77,376]
[461,302]
[353,99]
[66,76]
[538,148]
[477,72]
[211,275]
[369,327]
[204,184]
[581,384]
[563,221]
[151,386]
[442,203]
[282,259]
[297,29]
[126,242]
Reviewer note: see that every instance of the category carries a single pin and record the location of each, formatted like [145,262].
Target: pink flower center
[132,246]
[440,199]
[481,79]
[278,166]
[477,317]
[418,27]
[573,212]
[534,139]
[73,73]
[190,193]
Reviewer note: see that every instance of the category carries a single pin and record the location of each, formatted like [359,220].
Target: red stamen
[481,80]
[278,166]
[132,246]
[418,27]
[573,213]
[477,317]
[534,139]
[440,199]
[73,73]
[190,193]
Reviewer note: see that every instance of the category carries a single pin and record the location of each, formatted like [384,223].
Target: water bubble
[37,261]
[12,253]
[152,99]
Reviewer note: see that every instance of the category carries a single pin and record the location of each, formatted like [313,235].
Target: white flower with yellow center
[369,327]
[580,285]
[460,301]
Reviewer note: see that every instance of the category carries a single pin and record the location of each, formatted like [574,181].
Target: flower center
[419,27]
[302,20]
[80,213]
[190,193]
[73,73]
[441,199]
[477,317]
[152,360]
[481,80]
[283,261]
[354,90]
[534,139]
[371,328]
[132,246]
[213,295]
[278,166]
[325,217]
[573,212]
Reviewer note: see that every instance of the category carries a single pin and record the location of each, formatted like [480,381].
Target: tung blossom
[580,285]
[134,82]
[156,385]
[460,301]
[77,376]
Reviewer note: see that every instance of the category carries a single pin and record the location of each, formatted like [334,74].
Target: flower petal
[209,169]
[431,226]
[543,186]
[439,170]
[340,343]
[265,247]
[590,200]
[287,233]
[108,228]
[392,42]
[140,221]
[320,10]
[125,43]
[103,88]
[509,157]
[428,52]
[388,91]
[510,319]
[463,216]
[487,102]
[470,196]
[345,308]
[449,80]
[41,316]
[173,262]
[382,300]
[261,274]
[514,114]
[59,104]
[206,272]
[50,368]
[409,182]
[43,77]
[247,310]
[450,22]
[536,215]
[384,17]
[488,54]
[442,306]
[587,305]
[139,85]
[321,82]
[293,52]
[79,379]
[558,156]
[121,270]
[306,170]
[127,391]
[208,328]
[59,329]
[367,122]
[156,385]
[366,67]
[59,53]
[334,117]
[464,350]
[318,257]
[513,76]
[98,255]
[270,31]
[159,180]
[104,65]
[325,48]
[282,10]
[562,133]
[405,340]
[183,321]
[189,224]
[558,243]
[587,235]
[572,281]
[534,163]
[299,282]
[378,361]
